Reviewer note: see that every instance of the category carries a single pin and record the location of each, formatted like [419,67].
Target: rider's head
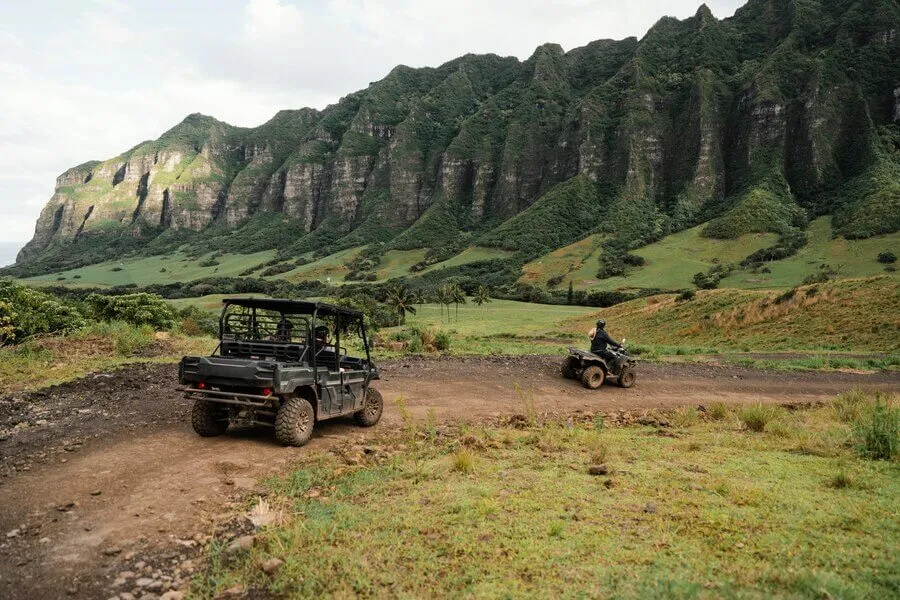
[601,324]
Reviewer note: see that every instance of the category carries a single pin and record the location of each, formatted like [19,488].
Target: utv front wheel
[626,379]
[593,377]
[294,422]
[570,367]
[371,412]
[208,418]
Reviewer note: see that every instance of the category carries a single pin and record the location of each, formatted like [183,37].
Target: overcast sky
[89,79]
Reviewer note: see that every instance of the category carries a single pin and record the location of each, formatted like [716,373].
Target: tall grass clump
[464,461]
[849,406]
[717,411]
[757,417]
[876,432]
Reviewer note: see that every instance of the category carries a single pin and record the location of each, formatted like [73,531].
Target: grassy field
[500,327]
[396,263]
[849,315]
[849,258]
[578,262]
[170,268]
[331,268]
[757,503]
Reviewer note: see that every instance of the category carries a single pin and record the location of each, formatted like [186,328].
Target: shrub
[887,257]
[686,296]
[442,341]
[756,417]
[25,312]
[210,262]
[135,309]
[705,282]
[195,321]
[877,432]
[116,269]
[277,269]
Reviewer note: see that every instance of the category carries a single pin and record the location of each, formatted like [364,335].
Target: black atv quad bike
[593,370]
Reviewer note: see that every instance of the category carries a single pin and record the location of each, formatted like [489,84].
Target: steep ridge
[788,110]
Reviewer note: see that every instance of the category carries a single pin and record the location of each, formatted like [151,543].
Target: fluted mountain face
[787,110]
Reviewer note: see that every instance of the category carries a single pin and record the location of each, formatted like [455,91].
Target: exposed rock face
[689,117]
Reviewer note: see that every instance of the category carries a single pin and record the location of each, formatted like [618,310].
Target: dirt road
[106,468]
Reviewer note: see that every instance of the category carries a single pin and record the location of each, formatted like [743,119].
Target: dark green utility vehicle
[282,364]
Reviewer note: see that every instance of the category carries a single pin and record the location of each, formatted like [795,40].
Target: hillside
[747,126]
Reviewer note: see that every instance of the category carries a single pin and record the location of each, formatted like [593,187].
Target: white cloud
[269,21]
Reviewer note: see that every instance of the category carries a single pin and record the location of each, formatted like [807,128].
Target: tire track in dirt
[107,465]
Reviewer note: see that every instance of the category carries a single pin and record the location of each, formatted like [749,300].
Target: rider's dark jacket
[601,340]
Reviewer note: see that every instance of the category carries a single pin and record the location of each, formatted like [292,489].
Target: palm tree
[401,302]
[457,296]
[445,296]
[482,297]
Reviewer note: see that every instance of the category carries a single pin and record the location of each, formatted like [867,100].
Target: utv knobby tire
[294,422]
[626,379]
[593,377]
[208,418]
[371,411]
[570,368]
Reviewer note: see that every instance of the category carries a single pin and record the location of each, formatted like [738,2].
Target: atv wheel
[294,422]
[570,367]
[593,377]
[371,411]
[208,418]
[626,379]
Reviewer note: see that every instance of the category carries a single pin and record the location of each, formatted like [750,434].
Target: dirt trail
[106,466]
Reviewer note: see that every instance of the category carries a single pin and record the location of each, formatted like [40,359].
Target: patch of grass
[686,416]
[169,268]
[763,520]
[464,461]
[758,417]
[718,411]
[876,432]
[45,361]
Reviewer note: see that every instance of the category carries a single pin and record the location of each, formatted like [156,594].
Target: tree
[401,302]
[444,296]
[571,295]
[482,297]
[887,258]
[457,296]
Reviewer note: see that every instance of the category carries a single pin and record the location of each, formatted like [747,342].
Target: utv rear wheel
[371,412]
[626,379]
[294,422]
[593,377]
[208,418]
[570,368]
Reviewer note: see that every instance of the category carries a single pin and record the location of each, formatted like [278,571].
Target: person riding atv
[606,358]
[601,342]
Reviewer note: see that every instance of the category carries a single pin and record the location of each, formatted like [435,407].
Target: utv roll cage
[284,330]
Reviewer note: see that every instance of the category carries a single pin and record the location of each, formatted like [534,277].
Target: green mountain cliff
[787,111]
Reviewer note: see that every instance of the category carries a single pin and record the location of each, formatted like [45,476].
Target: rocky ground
[106,491]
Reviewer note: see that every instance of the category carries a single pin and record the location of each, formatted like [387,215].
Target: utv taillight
[201,385]
[266,392]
